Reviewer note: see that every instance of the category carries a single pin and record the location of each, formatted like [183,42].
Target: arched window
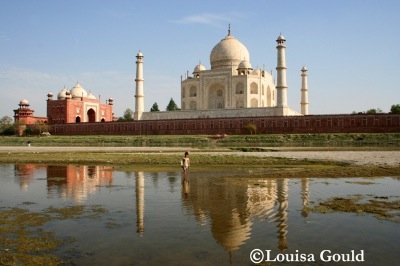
[239,103]
[239,88]
[102,120]
[216,96]
[253,103]
[78,119]
[253,88]
[91,115]
[193,91]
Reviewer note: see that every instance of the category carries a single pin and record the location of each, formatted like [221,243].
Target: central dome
[228,53]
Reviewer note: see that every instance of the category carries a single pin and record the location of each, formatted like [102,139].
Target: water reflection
[77,182]
[74,182]
[139,190]
[232,206]
[24,174]
[236,214]
[229,206]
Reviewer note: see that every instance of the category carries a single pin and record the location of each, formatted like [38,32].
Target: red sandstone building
[76,106]
[71,106]
[23,116]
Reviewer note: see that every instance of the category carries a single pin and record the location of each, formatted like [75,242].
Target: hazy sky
[351,48]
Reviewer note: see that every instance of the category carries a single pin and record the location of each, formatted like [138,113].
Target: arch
[239,103]
[78,119]
[103,120]
[193,105]
[253,88]
[91,115]
[239,88]
[254,103]
[193,91]
[216,96]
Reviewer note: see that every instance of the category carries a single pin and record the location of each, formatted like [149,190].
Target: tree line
[128,114]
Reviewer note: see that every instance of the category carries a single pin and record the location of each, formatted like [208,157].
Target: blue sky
[351,48]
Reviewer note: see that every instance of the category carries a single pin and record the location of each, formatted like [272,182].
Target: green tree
[172,106]
[128,115]
[6,125]
[154,108]
[374,111]
[395,109]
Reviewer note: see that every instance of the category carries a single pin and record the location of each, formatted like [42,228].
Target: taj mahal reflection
[228,206]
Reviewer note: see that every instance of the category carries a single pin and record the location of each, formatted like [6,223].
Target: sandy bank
[382,158]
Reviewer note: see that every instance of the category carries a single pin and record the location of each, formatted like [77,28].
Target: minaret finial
[229,29]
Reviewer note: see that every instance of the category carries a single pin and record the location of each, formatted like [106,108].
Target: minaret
[139,97]
[304,91]
[281,85]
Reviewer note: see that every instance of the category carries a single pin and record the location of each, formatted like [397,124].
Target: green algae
[23,240]
[386,208]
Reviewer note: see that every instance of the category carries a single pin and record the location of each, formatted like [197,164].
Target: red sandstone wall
[265,125]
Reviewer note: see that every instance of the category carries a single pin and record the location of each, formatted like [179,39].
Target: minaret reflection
[139,202]
[305,196]
[282,214]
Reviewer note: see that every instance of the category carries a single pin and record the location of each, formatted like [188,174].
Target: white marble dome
[78,91]
[198,68]
[245,65]
[228,53]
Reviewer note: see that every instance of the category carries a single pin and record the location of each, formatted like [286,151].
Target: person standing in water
[185,162]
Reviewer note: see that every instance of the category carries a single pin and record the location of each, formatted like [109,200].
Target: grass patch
[387,140]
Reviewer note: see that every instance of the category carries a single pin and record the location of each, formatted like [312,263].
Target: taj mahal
[227,98]
[231,88]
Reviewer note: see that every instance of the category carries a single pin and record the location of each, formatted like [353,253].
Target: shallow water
[169,218]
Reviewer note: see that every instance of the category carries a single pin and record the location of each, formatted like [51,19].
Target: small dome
[62,94]
[228,53]
[78,91]
[304,69]
[245,65]
[24,102]
[281,38]
[140,54]
[198,68]
[91,96]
